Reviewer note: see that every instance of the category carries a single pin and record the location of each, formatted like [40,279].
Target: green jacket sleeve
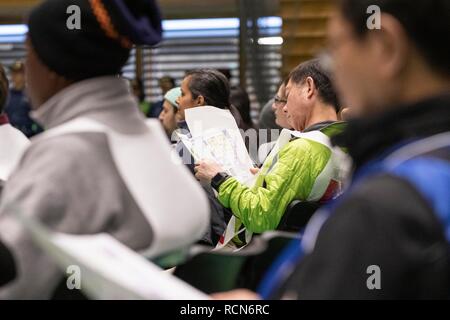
[292,177]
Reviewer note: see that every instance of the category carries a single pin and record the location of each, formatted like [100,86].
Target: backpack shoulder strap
[426,166]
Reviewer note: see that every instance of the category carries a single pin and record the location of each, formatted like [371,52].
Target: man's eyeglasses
[279,101]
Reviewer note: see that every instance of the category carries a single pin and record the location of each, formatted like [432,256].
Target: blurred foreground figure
[12,145]
[388,237]
[89,172]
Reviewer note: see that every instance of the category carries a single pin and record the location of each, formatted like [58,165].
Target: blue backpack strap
[430,176]
[285,264]
[280,270]
[425,164]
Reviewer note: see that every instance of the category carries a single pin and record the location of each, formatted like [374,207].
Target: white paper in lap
[108,269]
[114,266]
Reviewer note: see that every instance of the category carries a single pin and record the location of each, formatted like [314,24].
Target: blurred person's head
[169,111]
[310,96]
[137,88]
[346,114]
[407,59]
[166,83]
[17,71]
[240,99]
[226,73]
[203,87]
[101,46]
[278,105]
[3,89]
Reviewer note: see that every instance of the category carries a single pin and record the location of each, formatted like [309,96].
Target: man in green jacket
[304,167]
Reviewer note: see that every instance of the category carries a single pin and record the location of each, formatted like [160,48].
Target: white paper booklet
[216,137]
[108,269]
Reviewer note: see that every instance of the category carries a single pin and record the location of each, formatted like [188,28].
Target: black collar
[319,126]
[365,139]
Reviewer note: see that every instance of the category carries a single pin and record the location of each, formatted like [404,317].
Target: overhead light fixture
[13,30]
[270,41]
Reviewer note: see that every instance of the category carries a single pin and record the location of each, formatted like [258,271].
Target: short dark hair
[426,22]
[4,87]
[240,99]
[138,84]
[322,80]
[226,73]
[212,85]
[168,79]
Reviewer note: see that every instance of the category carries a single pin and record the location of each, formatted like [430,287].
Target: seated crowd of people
[364,136]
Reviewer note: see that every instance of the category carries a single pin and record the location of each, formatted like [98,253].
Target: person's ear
[53,77]
[59,81]
[310,87]
[200,101]
[391,46]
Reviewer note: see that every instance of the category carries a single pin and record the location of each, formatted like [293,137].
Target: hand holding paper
[206,170]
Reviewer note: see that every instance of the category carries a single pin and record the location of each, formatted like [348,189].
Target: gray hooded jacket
[71,184]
